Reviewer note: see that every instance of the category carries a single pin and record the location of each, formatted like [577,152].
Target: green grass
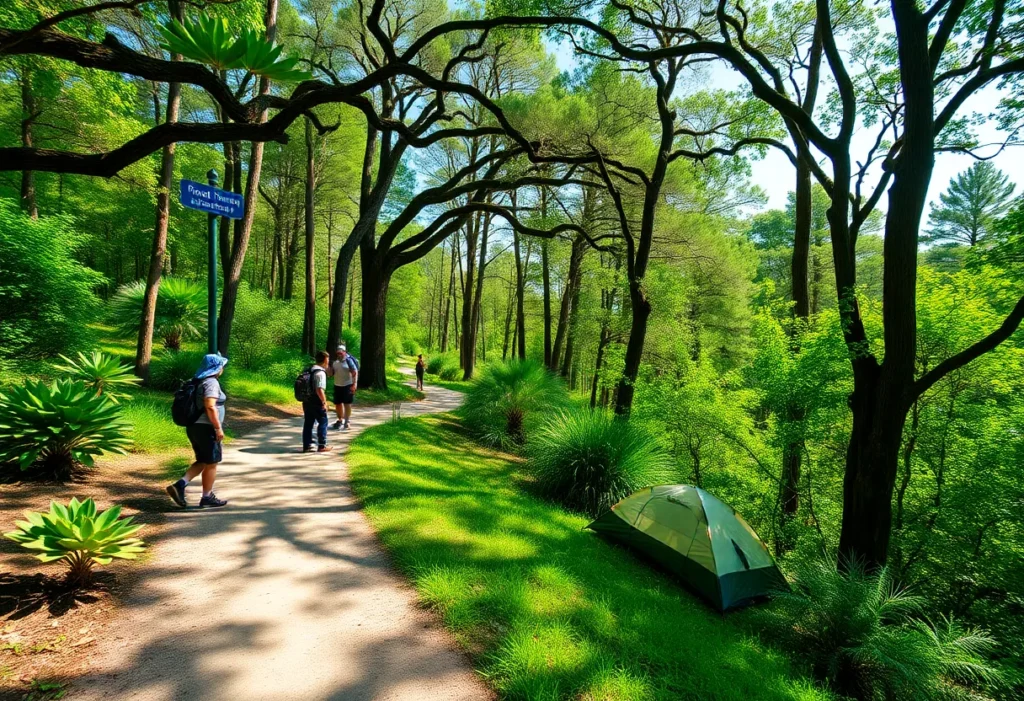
[548,610]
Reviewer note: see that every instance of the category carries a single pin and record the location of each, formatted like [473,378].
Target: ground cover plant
[105,374]
[59,427]
[78,536]
[548,610]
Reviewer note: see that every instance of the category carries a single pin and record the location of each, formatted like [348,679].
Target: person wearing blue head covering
[206,434]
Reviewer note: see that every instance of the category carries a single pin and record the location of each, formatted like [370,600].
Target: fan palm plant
[100,372]
[180,310]
[79,536]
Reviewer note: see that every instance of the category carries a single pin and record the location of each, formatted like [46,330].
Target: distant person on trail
[421,366]
[345,372]
[206,433]
[314,409]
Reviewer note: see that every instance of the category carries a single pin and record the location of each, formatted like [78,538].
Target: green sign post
[216,203]
[211,276]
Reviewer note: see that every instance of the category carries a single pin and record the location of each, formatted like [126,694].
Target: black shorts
[343,395]
[204,443]
[419,372]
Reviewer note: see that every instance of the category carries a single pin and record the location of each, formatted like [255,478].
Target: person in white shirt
[345,372]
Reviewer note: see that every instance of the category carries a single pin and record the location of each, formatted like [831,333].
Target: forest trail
[284,594]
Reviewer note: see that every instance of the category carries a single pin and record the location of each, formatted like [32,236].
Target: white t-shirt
[343,371]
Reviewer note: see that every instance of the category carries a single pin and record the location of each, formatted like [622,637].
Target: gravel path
[284,594]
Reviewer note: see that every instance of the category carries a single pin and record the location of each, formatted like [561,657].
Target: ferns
[866,637]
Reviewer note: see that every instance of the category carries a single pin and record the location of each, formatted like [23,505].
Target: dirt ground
[47,634]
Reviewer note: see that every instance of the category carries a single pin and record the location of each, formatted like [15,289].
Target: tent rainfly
[697,537]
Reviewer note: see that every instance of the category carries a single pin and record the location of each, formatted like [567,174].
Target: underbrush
[548,610]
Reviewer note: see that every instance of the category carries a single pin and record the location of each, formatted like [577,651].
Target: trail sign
[212,200]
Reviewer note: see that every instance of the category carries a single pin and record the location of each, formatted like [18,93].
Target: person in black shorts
[345,372]
[421,366]
[206,435]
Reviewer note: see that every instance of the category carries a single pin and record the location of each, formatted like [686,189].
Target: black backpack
[185,410]
[304,384]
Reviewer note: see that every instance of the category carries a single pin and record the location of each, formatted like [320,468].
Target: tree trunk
[566,309]
[144,347]
[520,332]
[476,321]
[882,394]
[309,315]
[28,117]
[449,297]
[373,369]
[468,289]
[233,276]
[546,282]
[641,312]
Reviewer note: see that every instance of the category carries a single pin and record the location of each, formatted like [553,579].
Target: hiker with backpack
[310,389]
[199,407]
[345,371]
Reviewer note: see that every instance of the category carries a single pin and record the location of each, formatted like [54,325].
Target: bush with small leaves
[508,398]
[79,536]
[866,637]
[100,372]
[438,362]
[168,370]
[180,310]
[58,427]
[589,459]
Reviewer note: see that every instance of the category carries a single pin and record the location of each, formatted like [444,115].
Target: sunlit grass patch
[548,610]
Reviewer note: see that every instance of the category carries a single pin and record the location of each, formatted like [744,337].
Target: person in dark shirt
[314,409]
[421,366]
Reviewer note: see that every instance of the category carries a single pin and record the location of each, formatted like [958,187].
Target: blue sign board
[212,200]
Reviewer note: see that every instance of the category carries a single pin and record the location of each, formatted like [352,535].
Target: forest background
[539,215]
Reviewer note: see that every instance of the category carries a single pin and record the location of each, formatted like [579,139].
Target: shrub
[46,295]
[169,370]
[79,536]
[261,327]
[180,310]
[102,373]
[450,372]
[862,635]
[58,426]
[588,460]
[436,362]
[410,347]
[507,398]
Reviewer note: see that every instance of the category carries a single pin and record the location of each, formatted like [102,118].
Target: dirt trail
[284,594]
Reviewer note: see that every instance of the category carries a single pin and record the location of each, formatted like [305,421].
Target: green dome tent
[697,537]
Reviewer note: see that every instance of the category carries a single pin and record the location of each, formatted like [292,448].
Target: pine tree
[973,201]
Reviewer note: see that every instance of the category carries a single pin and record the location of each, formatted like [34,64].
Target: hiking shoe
[337,425]
[325,449]
[307,449]
[346,426]
[211,502]
[177,494]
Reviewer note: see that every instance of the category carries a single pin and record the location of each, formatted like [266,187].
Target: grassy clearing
[548,610]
